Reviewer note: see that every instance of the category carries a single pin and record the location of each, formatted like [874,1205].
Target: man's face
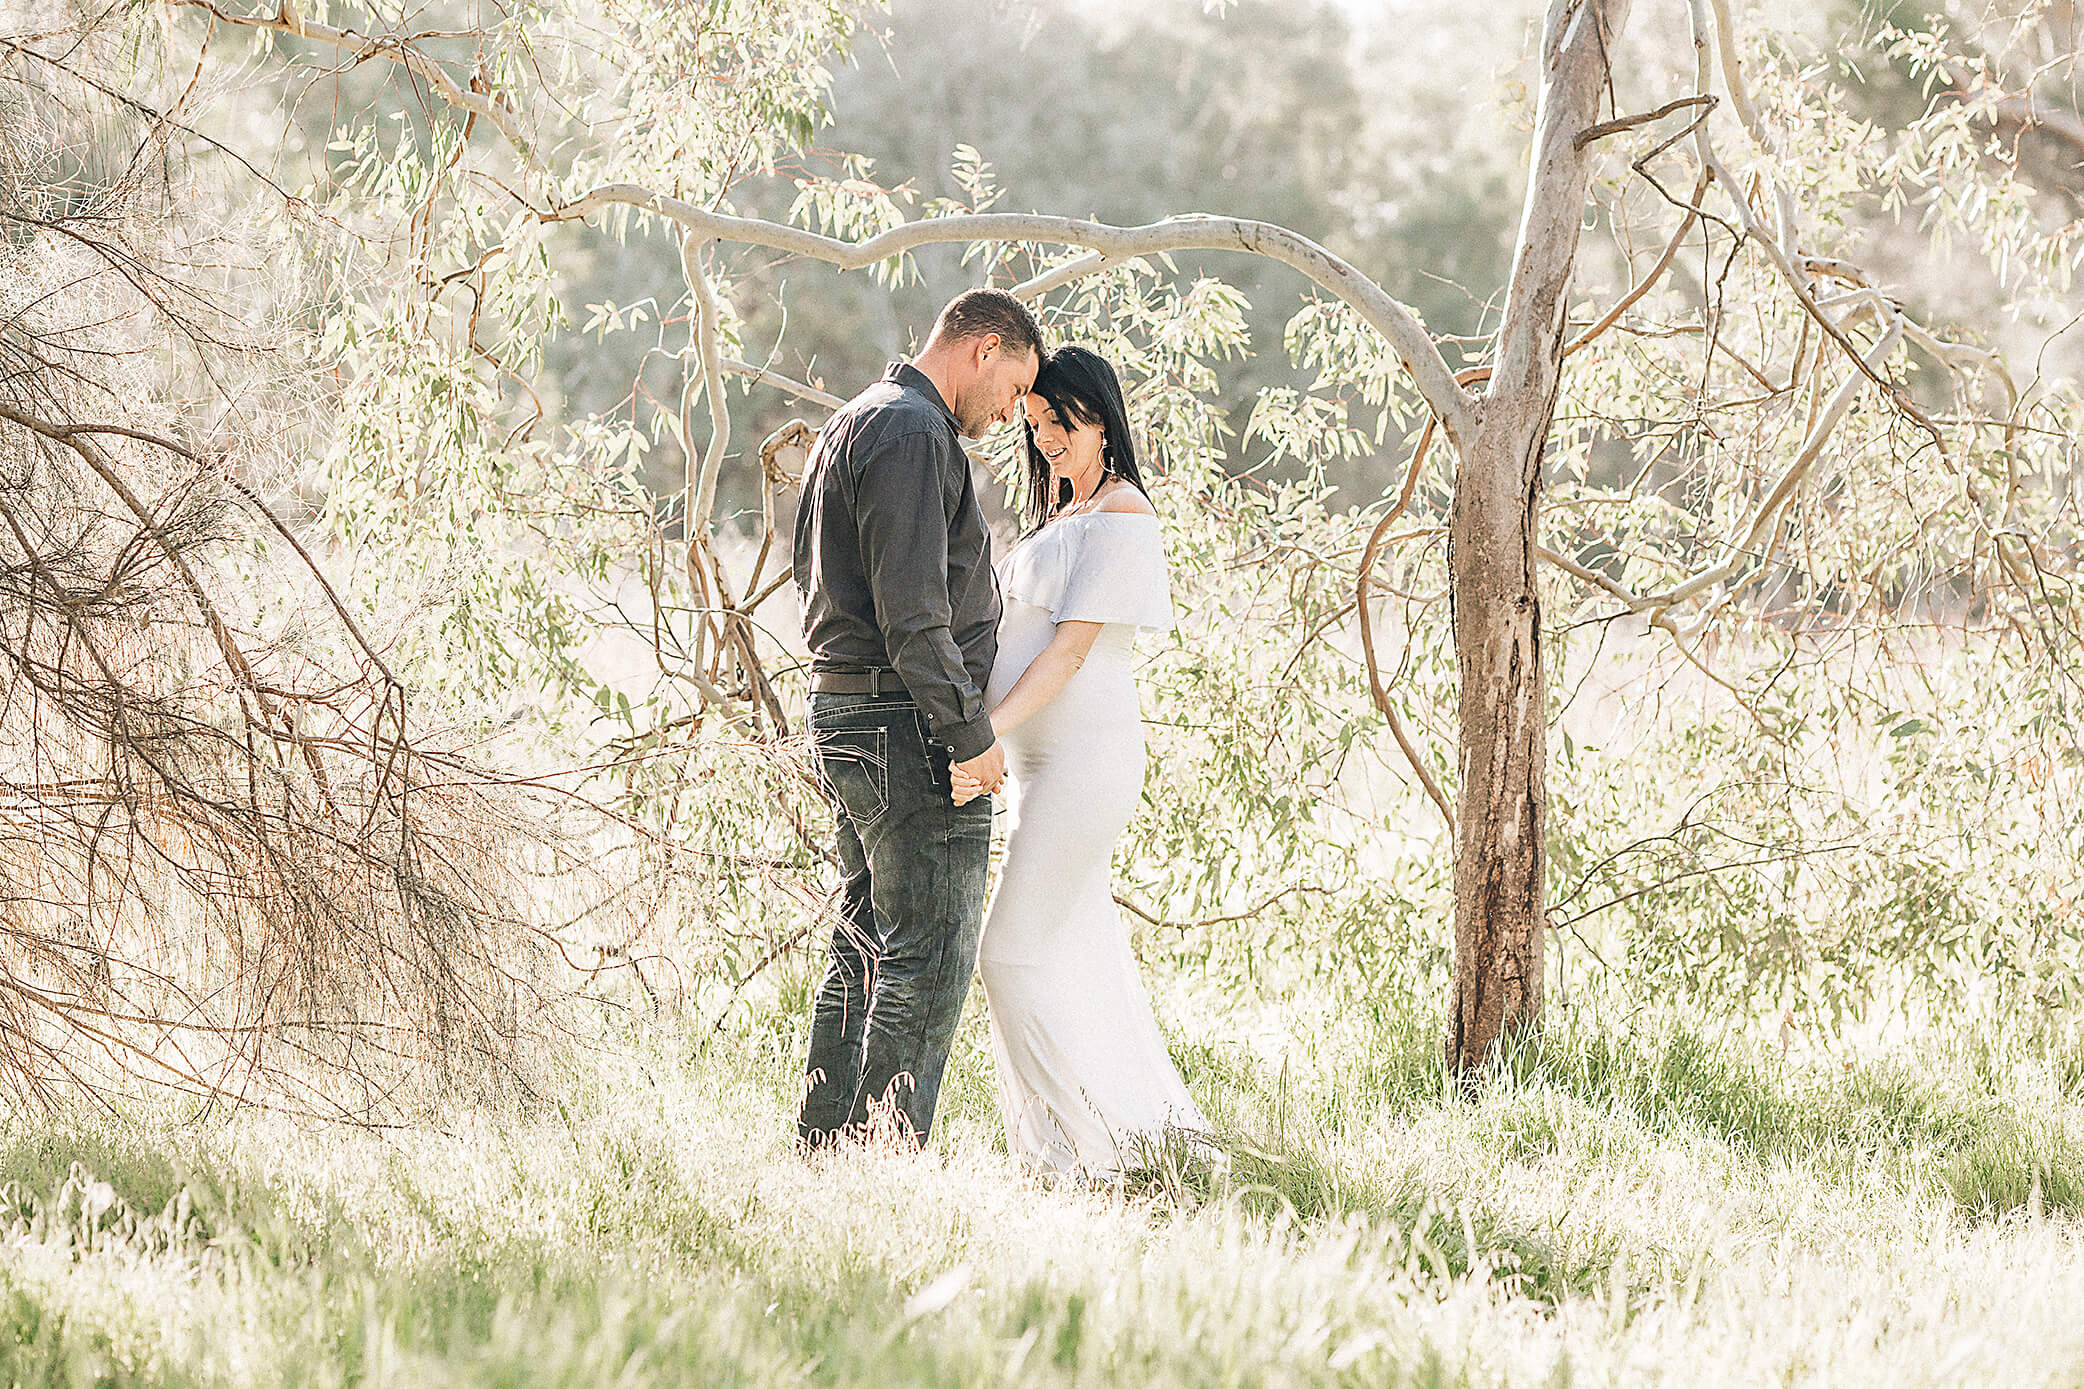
[998,381]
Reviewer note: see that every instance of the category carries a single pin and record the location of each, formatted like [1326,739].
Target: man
[901,612]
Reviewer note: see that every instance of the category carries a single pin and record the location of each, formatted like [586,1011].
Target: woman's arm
[1042,681]
[1045,676]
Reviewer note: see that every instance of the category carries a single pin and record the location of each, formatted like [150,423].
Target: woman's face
[1073,448]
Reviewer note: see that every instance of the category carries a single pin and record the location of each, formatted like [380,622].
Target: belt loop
[875,684]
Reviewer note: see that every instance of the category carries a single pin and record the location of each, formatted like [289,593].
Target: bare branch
[1778,248]
[1649,278]
[768,377]
[1376,691]
[1615,127]
[1753,550]
[1733,77]
[702,486]
[1077,268]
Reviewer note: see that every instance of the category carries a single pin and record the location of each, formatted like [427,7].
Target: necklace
[1078,506]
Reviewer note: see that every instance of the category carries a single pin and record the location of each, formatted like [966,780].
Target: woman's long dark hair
[1079,385]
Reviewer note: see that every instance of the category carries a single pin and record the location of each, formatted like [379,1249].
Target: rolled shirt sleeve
[901,514]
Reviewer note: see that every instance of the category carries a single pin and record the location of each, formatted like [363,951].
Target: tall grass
[1638,1201]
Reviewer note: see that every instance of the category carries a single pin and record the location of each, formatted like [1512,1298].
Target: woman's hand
[966,787]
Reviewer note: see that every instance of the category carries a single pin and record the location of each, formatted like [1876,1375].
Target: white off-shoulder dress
[1084,1080]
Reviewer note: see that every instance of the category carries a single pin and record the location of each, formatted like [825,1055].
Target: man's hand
[965,786]
[980,776]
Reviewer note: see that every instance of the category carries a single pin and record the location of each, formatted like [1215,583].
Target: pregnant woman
[1085,1083]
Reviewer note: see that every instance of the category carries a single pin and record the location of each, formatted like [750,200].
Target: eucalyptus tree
[641,120]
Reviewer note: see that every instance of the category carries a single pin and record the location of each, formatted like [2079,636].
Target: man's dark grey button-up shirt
[892,557]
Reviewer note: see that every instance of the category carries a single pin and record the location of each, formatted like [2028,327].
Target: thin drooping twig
[1712,38]
[1246,915]
[1363,604]
[1649,278]
[1753,549]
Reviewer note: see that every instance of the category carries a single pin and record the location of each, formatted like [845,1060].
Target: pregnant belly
[1024,633]
[1096,711]
[1095,714]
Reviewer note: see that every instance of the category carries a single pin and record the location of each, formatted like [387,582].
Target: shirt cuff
[972,739]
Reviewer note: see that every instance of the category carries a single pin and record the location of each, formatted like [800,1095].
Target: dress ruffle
[1105,566]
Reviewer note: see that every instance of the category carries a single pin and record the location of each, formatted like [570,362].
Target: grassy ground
[1639,1203]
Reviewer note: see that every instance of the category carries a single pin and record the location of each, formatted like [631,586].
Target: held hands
[980,776]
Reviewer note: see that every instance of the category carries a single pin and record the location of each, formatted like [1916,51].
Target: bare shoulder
[1126,499]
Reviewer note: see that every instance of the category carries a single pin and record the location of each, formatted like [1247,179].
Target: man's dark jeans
[911,910]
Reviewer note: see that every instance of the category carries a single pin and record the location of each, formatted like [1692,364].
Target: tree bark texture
[1500,853]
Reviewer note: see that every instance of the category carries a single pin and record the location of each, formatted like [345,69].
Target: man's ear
[987,346]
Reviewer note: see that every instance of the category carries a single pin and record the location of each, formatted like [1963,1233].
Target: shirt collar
[910,377]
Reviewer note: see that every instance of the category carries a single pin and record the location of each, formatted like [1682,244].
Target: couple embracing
[935,678]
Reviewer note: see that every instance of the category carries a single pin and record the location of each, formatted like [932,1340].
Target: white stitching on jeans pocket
[871,755]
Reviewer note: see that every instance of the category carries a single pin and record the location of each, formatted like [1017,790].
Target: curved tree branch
[1398,324]
[701,483]
[1376,690]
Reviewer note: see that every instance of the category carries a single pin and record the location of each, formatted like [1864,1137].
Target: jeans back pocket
[854,764]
